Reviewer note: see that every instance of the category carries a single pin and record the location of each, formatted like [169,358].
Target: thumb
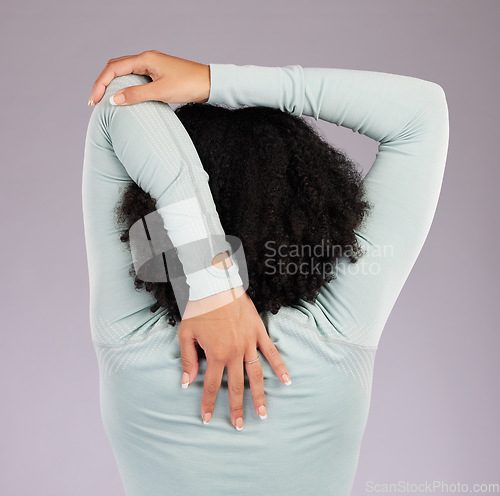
[189,359]
[135,94]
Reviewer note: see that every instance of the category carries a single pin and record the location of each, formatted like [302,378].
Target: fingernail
[206,418]
[91,102]
[286,379]
[239,424]
[262,412]
[117,98]
[185,380]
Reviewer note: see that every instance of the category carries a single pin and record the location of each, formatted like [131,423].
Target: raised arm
[166,165]
[147,143]
[409,118]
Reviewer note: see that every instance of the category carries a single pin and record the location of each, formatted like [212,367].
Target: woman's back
[310,441]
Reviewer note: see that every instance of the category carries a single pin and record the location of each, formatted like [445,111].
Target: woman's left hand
[229,329]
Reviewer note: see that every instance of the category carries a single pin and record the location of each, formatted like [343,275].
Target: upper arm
[117,310]
[403,187]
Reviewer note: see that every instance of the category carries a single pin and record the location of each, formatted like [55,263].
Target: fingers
[121,66]
[236,388]
[256,379]
[189,358]
[135,94]
[268,348]
[211,386]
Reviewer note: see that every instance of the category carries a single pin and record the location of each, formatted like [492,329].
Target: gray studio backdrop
[435,405]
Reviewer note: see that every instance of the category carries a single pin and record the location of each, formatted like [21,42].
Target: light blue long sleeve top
[311,439]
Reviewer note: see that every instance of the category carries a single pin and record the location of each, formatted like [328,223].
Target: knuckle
[183,330]
[273,351]
[237,411]
[186,362]
[259,399]
[133,95]
[218,355]
[212,388]
[281,366]
[236,350]
[258,374]
[148,54]
[237,388]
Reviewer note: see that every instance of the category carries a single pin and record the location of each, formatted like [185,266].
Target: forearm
[378,105]
[159,156]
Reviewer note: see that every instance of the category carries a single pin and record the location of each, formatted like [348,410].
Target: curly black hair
[275,182]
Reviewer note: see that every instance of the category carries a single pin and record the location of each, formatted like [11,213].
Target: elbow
[435,98]
[435,108]
[436,119]
[436,90]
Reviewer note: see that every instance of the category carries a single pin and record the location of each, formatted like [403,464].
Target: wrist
[205,84]
[213,280]
[212,302]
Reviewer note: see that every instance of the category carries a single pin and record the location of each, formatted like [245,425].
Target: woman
[310,441]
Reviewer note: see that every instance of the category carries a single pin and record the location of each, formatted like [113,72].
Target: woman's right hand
[175,80]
